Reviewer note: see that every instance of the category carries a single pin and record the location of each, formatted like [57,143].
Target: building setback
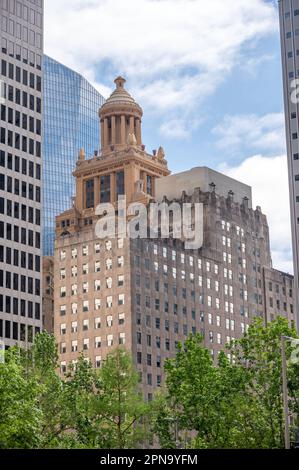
[21,76]
[289,28]
[149,294]
[71,107]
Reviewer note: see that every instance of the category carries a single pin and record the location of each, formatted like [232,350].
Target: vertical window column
[105,188]
[120,183]
[89,194]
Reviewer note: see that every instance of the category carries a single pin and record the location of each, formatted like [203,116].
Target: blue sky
[256,89]
[208,76]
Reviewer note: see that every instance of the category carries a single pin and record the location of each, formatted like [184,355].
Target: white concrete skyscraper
[289,32]
[21,52]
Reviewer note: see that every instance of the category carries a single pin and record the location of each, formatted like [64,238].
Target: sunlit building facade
[149,294]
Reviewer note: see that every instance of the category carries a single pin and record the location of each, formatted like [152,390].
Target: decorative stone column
[96,191]
[113,131]
[123,130]
[132,125]
[79,194]
[106,138]
[138,131]
[112,188]
[102,133]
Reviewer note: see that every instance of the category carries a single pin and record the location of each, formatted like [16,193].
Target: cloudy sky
[208,76]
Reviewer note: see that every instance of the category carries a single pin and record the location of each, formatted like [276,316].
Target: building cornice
[117,160]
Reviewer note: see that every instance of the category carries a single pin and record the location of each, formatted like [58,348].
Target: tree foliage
[87,409]
[234,404]
[20,415]
[237,404]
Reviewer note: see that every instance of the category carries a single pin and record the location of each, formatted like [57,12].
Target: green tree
[202,396]
[258,354]
[165,421]
[82,388]
[107,408]
[40,363]
[86,409]
[237,404]
[20,415]
[120,403]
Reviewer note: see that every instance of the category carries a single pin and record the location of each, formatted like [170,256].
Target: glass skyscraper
[71,122]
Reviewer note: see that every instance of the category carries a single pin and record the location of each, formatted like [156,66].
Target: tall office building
[289,32]
[71,107]
[21,43]
[148,294]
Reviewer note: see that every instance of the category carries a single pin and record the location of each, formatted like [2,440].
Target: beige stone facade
[48,294]
[149,294]
[215,291]
[92,279]
[279,295]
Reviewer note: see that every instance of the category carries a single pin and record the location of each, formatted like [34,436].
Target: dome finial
[82,154]
[120,81]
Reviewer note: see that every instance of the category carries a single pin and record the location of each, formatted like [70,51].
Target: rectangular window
[105,188]
[149,185]
[89,191]
[120,183]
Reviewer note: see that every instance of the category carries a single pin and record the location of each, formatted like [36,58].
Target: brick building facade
[149,294]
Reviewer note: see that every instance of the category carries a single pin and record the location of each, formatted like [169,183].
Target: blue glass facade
[71,121]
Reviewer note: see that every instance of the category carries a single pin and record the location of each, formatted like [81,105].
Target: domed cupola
[120,119]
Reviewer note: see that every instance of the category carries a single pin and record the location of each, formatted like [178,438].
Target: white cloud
[252,64]
[175,129]
[174,53]
[179,128]
[262,133]
[269,180]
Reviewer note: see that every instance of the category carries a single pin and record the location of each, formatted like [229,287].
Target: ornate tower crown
[120,81]
[124,168]
[120,117]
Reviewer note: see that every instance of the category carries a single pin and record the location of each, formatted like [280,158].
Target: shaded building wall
[215,291]
[96,320]
[289,25]
[21,83]
[279,295]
